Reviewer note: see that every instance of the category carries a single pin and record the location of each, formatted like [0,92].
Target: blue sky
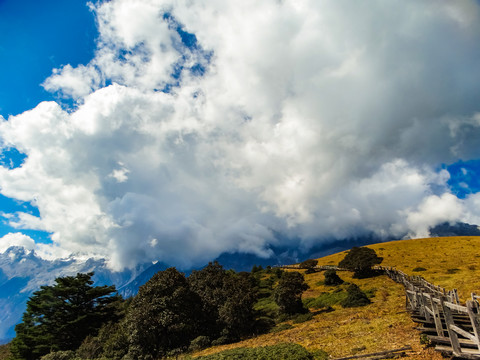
[36,37]
[203,129]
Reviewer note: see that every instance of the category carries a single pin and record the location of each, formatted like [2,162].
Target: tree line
[171,314]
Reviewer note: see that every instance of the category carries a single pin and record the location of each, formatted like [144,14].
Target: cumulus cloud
[214,126]
[16,239]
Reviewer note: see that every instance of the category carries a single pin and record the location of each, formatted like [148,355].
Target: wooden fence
[453,328]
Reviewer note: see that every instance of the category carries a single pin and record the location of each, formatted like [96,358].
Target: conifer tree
[59,317]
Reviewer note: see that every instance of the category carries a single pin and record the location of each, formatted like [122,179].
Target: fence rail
[453,328]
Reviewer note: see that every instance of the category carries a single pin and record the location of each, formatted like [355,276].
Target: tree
[59,317]
[308,264]
[360,260]
[331,278]
[288,293]
[355,297]
[164,316]
[227,301]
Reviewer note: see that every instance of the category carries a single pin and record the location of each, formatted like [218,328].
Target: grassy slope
[384,324]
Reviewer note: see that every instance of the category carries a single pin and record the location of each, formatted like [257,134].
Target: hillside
[383,325]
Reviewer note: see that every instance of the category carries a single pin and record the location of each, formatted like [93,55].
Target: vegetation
[275,352]
[360,260]
[366,329]
[227,301]
[4,351]
[332,279]
[164,316]
[355,297]
[417,269]
[288,293]
[59,317]
[308,264]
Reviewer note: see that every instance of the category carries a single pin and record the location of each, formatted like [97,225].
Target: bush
[281,327]
[59,355]
[302,318]
[419,269]
[199,343]
[332,279]
[355,297]
[325,300]
[274,352]
[264,324]
[452,271]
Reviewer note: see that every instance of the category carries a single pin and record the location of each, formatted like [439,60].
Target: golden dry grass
[384,324]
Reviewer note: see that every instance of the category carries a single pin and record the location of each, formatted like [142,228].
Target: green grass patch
[300,318]
[273,352]
[281,327]
[267,306]
[326,299]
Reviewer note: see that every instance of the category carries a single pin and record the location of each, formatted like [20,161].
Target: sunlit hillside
[384,324]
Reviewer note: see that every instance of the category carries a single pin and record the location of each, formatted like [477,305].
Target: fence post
[436,317]
[457,351]
[472,311]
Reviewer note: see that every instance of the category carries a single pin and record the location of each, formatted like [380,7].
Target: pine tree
[59,317]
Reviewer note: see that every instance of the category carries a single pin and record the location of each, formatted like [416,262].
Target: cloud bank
[212,126]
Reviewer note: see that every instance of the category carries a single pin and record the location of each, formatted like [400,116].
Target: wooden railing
[453,328]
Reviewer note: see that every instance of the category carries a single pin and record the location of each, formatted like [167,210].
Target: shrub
[452,271]
[281,327]
[355,297]
[199,343]
[302,318]
[332,279]
[274,352]
[220,341]
[419,269]
[264,324]
[60,355]
[325,300]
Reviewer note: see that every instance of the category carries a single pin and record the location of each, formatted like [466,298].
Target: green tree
[164,316]
[331,278]
[308,264]
[360,260]
[227,301]
[288,293]
[59,317]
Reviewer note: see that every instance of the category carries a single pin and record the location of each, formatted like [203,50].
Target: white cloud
[16,239]
[313,119]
